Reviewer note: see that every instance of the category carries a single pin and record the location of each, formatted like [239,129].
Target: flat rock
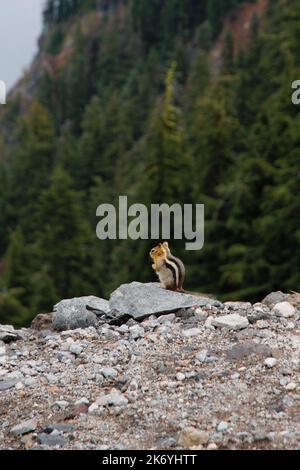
[24,427]
[7,384]
[52,441]
[232,321]
[248,348]
[70,314]
[141,300]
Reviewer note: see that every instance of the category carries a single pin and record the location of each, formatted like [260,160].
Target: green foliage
[134,110]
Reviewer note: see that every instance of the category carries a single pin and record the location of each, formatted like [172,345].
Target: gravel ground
[172,382]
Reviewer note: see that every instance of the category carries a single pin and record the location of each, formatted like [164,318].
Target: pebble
[222,426]
[7,384]
[212,446]
[284,309]
[136,331]
[209,323]
[200,315]
[52,440]
[233,321]
[76,349]
[191,436]
[291,386]
[109,372]
[262,324]
[202,355]
[270,362]
[190,332]
[180,377]
[163,319]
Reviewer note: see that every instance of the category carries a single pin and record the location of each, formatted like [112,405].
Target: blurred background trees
[139,108]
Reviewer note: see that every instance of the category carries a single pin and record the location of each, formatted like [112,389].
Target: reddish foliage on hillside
[238,24]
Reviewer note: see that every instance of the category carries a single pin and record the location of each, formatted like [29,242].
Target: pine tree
[32,165]
[63,237]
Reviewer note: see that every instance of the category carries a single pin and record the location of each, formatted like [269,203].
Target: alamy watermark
[2,92]
[296,93]
[161,222]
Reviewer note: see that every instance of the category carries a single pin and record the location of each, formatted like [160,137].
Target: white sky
[20,27]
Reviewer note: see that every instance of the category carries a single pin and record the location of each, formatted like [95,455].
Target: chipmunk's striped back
[170,270]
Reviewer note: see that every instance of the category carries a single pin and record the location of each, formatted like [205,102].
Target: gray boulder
[79,312]
[139,301]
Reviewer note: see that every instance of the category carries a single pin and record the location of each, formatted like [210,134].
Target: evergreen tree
[63,237]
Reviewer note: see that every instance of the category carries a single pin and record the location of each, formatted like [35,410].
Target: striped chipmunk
[170,270]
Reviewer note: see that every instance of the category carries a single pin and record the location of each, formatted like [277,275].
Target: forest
[134,109]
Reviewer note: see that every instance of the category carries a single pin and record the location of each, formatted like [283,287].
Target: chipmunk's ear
[166,244]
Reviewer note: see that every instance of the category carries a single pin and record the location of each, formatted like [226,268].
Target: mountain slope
[91,121]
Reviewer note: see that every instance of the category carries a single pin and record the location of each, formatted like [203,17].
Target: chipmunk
[170,270]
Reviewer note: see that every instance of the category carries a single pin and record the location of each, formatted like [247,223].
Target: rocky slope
[214,376]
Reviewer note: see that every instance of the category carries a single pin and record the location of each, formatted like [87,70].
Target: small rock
[190,332]
[29,381]
[270,362]
[24,427]
[291,386]
[248,349]
[284,309]
[28,440]
[52,440]
[200,314]
[136,332]
[180,377]
[262,324]
[212,446]
[114,398]
[93,407]
[65,356]
[274,298]
[261,436]
[123,329]
[163,319]
[232,321]
[7,384]
[202,355]
[209,323]
[109,372]
[191,436]
[76,410]
[76,349]
[222,426]
[238,305]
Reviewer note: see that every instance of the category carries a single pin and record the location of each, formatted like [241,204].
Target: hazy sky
[20,27]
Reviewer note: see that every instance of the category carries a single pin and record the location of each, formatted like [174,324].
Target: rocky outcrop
[219,375]
[135,300]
